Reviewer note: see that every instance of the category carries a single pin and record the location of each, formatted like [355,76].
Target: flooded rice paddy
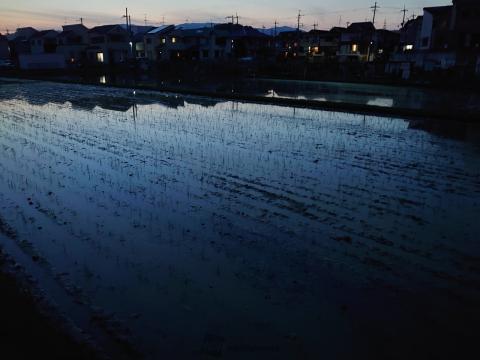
[208,229]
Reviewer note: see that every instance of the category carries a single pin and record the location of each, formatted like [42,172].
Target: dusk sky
[55,13]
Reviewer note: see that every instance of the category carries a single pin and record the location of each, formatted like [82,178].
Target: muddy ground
[27,333]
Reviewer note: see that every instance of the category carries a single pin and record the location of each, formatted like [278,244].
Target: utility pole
[385,24]
[299,17]
[126,17]
[232,17]
[375,8]
[236,16]
[404,14]
[81,20]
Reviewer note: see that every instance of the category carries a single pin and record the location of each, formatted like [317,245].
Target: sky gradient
[44,14]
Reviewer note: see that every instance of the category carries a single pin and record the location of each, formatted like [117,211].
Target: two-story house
[72,44]
[109,45]
[19,42]
[44,42]
[357,42]
[154,39]
[43,52]
[465,26]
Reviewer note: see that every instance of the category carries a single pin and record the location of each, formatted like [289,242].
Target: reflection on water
[385,102]
[426,99]
[246,231]
[365,94]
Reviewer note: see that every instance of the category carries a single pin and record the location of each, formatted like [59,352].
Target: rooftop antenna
[236,16]
[145,19]
[375,8]
[81,20]
[275,29]
[315,25]
[230,17]
[385,24]
[340,21]
[404,14]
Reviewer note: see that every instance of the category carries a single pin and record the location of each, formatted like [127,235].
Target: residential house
[410,35]
[72,44]
[186,44]
[322,44]
[357,42]
[238,42]
[210,43]
[4,48]
[465,26]
[44,42]
[109,45]
[42,55]
[154,39]
[385,43]
[137,35]
[19,42]
[292,44]
[446,37]
[407,55]
[139,43]
[436,41]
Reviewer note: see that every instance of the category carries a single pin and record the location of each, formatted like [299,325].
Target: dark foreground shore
[25,331]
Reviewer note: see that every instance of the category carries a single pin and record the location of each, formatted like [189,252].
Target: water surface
[232,230]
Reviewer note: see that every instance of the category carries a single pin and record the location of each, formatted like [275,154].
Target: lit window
[164,41]
[174,40]
[100,57]
[354,48]
[408,47]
